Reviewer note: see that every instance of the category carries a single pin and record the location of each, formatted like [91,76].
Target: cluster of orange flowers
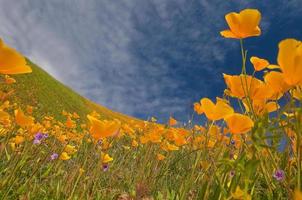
[21,126]
[258,97]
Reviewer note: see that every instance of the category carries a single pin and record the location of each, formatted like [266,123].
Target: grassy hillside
[50,97]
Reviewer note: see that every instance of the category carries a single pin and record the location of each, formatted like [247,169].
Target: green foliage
[51,97]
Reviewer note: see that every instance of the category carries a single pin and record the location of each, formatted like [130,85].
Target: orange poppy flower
[160,156]
[19,139]
[211,143]
[166,146]
[102,129]
[154,137]
[297,195]
[216,111]
[12,62]
[75,115]
[239,123]
[290,61]
[276,82]
[179,139]
[198,108]
[9,80]
[172,121]
[64,156]
[261,107]
[70,123]
[134,143]
[23,120]
[106,158]
[259,63]
[70,149]
[4,115]
[29,109]
[144,139]
[242,25]
[241,86]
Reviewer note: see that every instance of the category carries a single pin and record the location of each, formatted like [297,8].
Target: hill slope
[50,97]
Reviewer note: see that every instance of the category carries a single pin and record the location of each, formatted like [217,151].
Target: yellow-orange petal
[106,158]
[29,109]
[3,115]
[276,82]
[238,123]
[172,121]
[160,156]
[218,111]
[223,109]
[297,195]
[102,129]
[228,34]
[198,108]
[64,156]
[9,80]
[19,139]
[271,106]
[209,108]
[23,120]
[12,62]
[233,20]
[70,149]
[249,21]
[70,123]
[290,61]
[259,63]
[273,67]
[242,25]
[134,143]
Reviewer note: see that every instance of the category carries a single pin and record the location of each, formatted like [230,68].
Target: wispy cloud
[152,57]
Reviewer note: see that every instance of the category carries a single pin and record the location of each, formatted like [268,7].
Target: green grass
[50,97]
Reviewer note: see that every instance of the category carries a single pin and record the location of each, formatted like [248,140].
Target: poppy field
[249,146]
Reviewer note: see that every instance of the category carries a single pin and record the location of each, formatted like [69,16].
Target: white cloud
[88,45]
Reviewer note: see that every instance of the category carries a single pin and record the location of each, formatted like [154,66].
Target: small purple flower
[100,142]
[232,173]
[105,167]
[39,136]
[279,175]
[232,142]
[54,156]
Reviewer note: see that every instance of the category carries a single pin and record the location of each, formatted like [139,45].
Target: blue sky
[142,57]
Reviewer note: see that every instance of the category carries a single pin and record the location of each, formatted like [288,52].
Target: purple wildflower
[39,136]
[105,167]
[100,142]
[279,175]
[54,156]
[232,142]
[232,173]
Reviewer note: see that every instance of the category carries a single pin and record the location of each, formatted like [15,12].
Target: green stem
[298,162]
[245,87]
